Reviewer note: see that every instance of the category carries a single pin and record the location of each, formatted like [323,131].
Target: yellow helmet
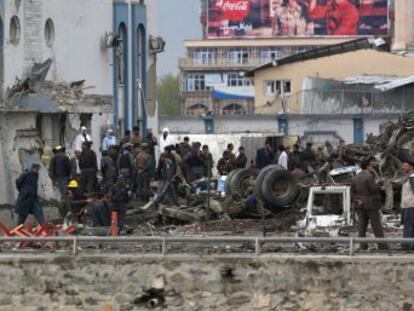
[58,148]
[73,184]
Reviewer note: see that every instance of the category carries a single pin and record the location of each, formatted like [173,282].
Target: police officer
[126,164]
[143,170]
[167,169]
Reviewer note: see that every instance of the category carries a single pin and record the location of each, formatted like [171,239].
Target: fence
[165,241]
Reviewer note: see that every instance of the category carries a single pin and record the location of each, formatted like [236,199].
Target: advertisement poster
[297,18]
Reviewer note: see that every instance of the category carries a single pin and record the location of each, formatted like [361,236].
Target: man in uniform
[367,202]
[89,166]
[60,170]
[109,170]
[143,169]
[167,170]
[28,200]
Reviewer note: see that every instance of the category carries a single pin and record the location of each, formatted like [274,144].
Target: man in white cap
[82,137]
[109,140]
[166,140]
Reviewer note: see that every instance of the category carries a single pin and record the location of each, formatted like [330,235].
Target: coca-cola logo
[234,10]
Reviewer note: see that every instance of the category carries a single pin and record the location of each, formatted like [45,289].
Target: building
[238,38]
[51,49]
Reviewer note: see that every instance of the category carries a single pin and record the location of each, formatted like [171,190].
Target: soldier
[367,201]
[151,142]
[167,173]
[143,169]
[125,164]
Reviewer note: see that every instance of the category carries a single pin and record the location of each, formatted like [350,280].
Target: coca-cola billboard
[296,18]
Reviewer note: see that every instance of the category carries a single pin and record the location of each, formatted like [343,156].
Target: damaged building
[60,70]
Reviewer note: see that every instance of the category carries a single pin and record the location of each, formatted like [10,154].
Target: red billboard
[296,18]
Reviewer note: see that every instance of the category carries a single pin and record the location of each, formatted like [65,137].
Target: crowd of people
[127,168]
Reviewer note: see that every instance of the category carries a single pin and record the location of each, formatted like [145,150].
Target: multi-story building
[103,42]
[212,71]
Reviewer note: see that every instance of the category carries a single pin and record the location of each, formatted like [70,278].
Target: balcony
[221,63]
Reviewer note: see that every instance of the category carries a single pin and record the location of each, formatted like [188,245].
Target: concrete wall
[338,67]
[114,283]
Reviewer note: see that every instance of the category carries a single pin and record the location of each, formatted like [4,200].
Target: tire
[240,181]
[227,189]
[280,188]
[259,180]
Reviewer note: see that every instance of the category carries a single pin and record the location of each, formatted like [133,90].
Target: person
[367,202]
[151,142]
[264,156]
[119,202]
[194,163]
[74,204]
[89,166]
[309,158]
[75,171]
[407,202]
[166,140]
[125,164]
[108,170]
[241,160]
[136,137]
[60,170]
[283,158]
[184,147]
[328,149]
[127,137]
[109,140]
[101,211]
[208,161]
[342,17]
[28,199]
[289,20]
[167,173]
[143,170]
[230,148]
[82,137]
[179,164]
[225,165]
[295,158]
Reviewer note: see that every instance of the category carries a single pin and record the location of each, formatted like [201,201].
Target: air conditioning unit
[157,44]
[110,40]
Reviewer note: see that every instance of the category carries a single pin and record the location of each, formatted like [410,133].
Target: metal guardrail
[258,241]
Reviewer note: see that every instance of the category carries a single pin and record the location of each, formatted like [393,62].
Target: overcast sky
[177,20]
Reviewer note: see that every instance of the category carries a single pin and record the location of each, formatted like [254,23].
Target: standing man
[264,156]
[88,164]
[125,164]
[167,169]
[82,137]
[60,170]
[127,137]
[283,158]
[208,161]
[75,171]
[407,203]
[108,170]
[28,199]
[367,202]
[151,142]
[241,160]
[136,137]
[166,140]
[109,140]
[143,169]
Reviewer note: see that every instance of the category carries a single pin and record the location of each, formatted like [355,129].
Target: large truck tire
[227,189]
[240,181]
[279,187]
[260,178]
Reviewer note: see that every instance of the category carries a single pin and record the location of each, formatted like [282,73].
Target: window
[278,87]
[15,30]
[195,82]
[235,79]
[233,109]
[204,56]
[269,54]
[49,32]
[238,56]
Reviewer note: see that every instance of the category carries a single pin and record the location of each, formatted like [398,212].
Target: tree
[168,90]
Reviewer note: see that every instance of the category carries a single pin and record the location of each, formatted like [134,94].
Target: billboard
[296,18]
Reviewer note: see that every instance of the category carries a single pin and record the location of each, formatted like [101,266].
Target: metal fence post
[351,247]
[75,245]
[257,246]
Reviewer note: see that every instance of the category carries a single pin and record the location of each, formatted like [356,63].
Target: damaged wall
[193,282]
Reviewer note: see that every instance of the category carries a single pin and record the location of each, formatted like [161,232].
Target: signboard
[296,18]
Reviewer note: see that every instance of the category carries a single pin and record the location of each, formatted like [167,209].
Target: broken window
[328,204]
[15,30]
[49,32]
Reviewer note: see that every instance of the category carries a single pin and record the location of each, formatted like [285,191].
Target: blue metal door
[358,131]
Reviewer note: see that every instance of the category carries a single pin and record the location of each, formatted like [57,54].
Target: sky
[177,20]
